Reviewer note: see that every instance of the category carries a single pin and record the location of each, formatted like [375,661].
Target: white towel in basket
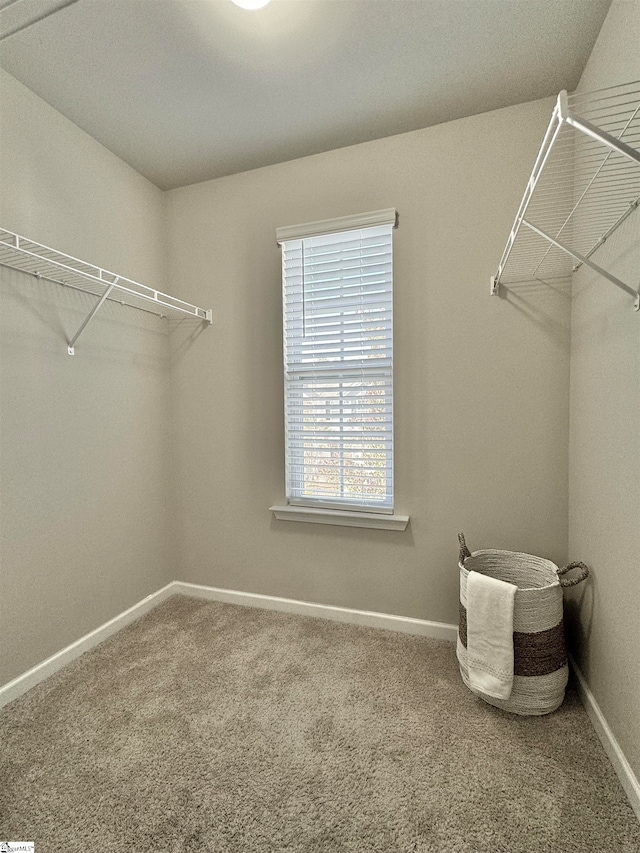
[490,634]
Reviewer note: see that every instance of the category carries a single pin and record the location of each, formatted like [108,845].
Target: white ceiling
[186,90]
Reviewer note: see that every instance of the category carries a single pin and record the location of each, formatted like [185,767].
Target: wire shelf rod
[43,262]
[620,182]
[596,217]
[575,96]
[77,287]
[573,160]
[583,167]
[593,209]
[591,130]
[555,183]
[566,161]
[92,273]
[615,181]
[609,111]
[612,278]
[594,204]
[98,274]
[632,207]
[595,195]
[589,145]
[568,152]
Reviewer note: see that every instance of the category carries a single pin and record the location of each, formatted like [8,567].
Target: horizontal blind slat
[345,375]
[355,363]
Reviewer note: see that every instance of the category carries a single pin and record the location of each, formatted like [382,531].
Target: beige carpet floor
[208,727]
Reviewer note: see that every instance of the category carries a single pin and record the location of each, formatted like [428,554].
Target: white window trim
[340,518]
[384,519]
[389,216]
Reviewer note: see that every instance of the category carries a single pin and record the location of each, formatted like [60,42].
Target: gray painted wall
[482,414]
[481,402]
[604,489]
[84,440]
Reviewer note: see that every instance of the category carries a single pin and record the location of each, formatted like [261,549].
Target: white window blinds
[338,367]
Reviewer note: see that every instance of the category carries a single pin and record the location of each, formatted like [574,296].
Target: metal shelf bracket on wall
[48,264]
[584,185]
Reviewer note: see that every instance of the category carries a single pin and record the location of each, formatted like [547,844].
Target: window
[337,279]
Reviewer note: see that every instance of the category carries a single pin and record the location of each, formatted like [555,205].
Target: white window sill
[340,517]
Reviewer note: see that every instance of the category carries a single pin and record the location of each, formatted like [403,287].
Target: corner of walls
[173,347]
[84,439]
[604,456]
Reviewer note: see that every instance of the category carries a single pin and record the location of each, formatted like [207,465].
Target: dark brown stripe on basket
[462,628]
[539,653]
[536,653]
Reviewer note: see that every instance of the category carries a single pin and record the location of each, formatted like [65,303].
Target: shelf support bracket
[555,125]
[634,205]
[71,348]
[603,137]
[594,132]
[583,260]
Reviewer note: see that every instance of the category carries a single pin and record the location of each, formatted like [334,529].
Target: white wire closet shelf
[42,262]
[585,183]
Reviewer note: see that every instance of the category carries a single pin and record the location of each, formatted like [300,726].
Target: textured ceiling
[186,90]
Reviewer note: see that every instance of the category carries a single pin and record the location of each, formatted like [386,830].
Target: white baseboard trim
[368,618]
[29,679]
[420,627]
[611,746]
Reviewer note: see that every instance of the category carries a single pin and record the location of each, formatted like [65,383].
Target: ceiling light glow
[251,4]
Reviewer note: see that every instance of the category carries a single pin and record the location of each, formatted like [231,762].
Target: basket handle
[464,551]
[584,574]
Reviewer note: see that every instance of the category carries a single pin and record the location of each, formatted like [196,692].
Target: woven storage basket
[539,651]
